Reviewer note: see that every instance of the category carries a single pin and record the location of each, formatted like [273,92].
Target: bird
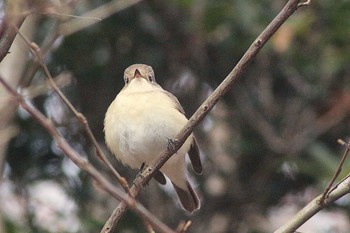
[141,122]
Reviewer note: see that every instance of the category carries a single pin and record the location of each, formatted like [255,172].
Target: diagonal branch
[8,34]
[84,164]
[203,110]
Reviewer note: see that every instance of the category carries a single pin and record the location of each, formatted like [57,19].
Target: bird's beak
[137,74]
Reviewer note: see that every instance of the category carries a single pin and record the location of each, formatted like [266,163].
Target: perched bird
[139,124]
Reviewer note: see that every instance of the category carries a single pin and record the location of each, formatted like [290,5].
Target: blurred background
[268,147]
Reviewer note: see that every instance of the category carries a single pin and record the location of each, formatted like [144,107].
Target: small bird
[140,123]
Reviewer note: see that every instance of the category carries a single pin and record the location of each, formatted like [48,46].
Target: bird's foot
[172,143]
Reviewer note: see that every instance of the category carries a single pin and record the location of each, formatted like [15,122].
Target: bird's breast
[138,126]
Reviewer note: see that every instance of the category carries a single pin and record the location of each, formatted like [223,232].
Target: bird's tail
[188,197]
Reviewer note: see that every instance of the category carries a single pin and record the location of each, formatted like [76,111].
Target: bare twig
[7,35]
[63,79]
[35,50]
[183,226]
[100,13]
[45,47]
[84,164]
[336,174]
[148,226]
[203,110]
[315,206]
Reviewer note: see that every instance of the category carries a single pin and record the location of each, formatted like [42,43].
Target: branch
[336,174]
[8,34]
[99,14]
[203,110]
[84,164]
[319,202]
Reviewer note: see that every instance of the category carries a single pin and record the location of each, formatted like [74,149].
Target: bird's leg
[142,168]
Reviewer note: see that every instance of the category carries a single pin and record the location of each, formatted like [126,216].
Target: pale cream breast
[141,126]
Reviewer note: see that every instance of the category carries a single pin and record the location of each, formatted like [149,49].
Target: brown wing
[194,149]
[194,157]
[188,197]
[159,176]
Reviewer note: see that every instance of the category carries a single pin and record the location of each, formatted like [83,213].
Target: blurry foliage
[192,45]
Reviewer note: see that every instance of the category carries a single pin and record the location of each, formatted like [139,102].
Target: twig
[46,45]
[101,13]
[336,174]
[63,79]
[203,110]
[7,35]
[84,164]
[183,226]
[315,206]
[35,50]
[148,226]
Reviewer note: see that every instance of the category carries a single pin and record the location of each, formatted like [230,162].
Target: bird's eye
[126,80]
[150,78]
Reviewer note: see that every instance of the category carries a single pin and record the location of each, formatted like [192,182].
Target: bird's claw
[171,143]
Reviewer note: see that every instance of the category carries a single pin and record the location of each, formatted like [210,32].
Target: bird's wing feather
[176,102]
[159,176]
[194,149]
[194,157]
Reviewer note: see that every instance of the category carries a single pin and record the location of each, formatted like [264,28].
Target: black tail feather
[188,198]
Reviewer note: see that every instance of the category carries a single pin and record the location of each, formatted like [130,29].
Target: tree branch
[100,13]
[318,203]
[8,34]
[203,110]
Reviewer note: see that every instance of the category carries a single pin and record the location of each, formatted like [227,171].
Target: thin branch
[203,110]
[7,35]
[35,50]
[100,13]
[148,226]
[45,47]
[63,79]
[84,164]
[183,226]
[336,174]
[317,204]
